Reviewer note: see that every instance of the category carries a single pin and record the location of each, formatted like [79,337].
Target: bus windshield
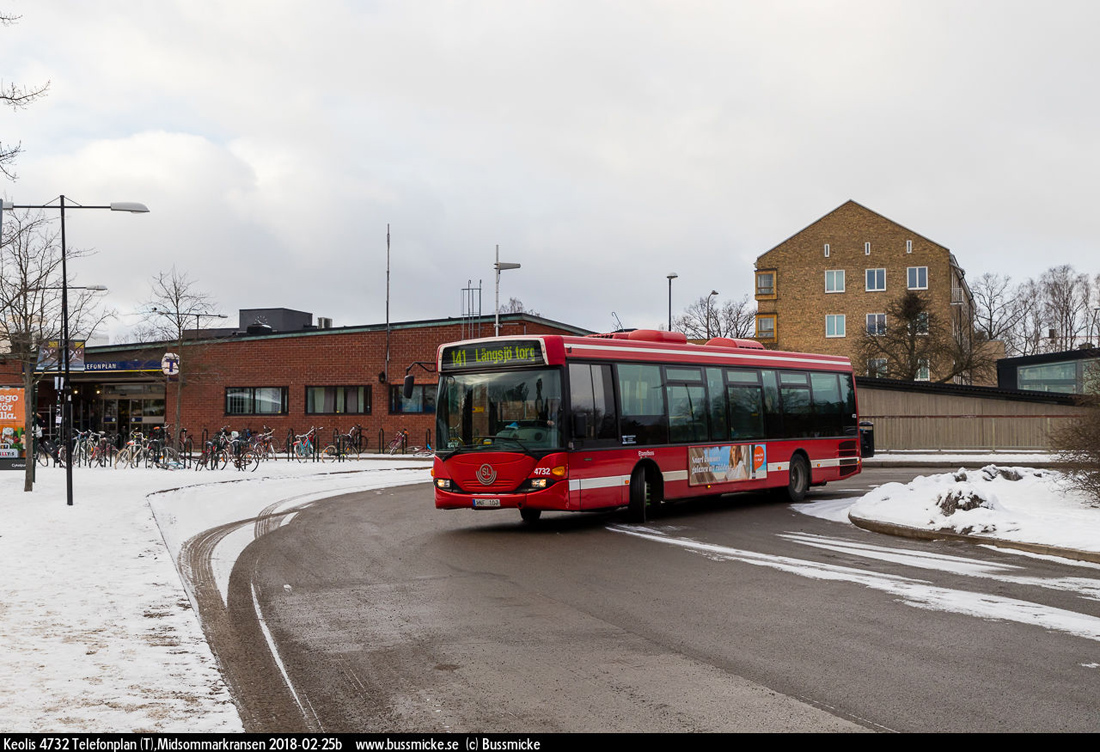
[502,411]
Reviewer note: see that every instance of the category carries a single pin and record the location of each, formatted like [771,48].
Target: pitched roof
[847,203]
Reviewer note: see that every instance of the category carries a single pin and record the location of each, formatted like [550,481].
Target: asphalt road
[375,612]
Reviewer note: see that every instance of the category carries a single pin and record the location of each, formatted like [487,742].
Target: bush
[1077,444]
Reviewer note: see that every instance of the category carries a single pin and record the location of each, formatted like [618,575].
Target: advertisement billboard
[12,418]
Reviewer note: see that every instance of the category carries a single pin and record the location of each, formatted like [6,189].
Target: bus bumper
[554,497]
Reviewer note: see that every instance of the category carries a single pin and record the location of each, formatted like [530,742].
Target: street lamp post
[66,386]
[712,294]
[500,266]
[671,277]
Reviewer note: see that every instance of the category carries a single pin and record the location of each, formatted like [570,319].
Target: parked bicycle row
[243,450]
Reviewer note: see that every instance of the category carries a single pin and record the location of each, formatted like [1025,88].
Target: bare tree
[1030,328]
[733,318]
[16,97]
[515,305]
[173,306]
[30,299]
[1065,299]
[913,343]
[995,308]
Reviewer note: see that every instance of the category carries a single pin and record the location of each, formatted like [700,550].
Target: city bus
[632,419]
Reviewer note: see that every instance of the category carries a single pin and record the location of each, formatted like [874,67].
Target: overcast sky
[602,145]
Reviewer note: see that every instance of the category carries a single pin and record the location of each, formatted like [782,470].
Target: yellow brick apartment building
[820,289]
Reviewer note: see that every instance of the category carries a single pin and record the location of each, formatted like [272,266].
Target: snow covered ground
[97,632]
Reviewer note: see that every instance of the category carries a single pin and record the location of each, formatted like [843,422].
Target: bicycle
[45,450]
[345,447]
[303,449]
[400,441]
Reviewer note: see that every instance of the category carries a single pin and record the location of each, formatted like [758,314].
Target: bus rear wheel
[798,478]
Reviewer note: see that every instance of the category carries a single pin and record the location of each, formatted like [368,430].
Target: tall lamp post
[500,266]
[712,294]
[671,277]
[66,386]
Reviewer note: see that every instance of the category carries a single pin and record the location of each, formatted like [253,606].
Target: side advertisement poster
[12,416]
[727,463]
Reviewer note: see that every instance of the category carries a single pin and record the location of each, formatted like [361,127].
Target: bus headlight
[539,483]
[443,483]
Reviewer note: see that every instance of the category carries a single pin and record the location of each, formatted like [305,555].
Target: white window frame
[908,246]
[760,334]
[837,322]
[876,317]
[867,248]
[826,250]
[836,274]
[924,372]
[867,279]
[916,271]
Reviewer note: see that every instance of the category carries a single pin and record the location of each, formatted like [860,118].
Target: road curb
[904,531]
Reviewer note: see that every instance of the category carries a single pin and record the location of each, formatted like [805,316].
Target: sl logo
[486,475]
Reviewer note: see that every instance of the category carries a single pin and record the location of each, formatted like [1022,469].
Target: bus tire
[530,515]
[798,478]
[637,509]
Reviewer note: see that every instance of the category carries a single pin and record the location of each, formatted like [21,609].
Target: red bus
[632,419]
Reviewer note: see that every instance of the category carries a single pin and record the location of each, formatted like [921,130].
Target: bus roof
[639,345]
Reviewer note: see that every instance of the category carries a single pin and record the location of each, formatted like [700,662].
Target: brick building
[820,289]
[286,380]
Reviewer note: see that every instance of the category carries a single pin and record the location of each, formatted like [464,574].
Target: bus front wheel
[638,508]
[530,515]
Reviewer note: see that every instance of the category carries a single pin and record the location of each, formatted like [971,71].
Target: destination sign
[493,354]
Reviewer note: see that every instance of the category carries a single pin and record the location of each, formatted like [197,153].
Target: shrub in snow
[961,498]
[1077,442]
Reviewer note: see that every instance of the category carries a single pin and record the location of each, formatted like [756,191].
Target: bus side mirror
[580,425]
[407,388]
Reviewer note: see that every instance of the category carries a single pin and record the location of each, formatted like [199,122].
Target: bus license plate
[487,503]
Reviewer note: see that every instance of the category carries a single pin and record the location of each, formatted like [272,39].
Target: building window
[923,373]
[866,249]
[908,246]
[834,280]
[876,280]
[256,400]
[876,368]
[1061,378]
[765,284]
[876,324]
[765,327]
[921,323]
[918,278]
[338,400]
[826,250]
[421,401]
[834,325]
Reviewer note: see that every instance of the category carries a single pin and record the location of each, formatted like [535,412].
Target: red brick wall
[317,359]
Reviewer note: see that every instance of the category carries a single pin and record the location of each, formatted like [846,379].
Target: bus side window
[717,409]
[794,393]
[773,414]
[827,404]
[593,403]
[848,410]
[746,401]
[642,395]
